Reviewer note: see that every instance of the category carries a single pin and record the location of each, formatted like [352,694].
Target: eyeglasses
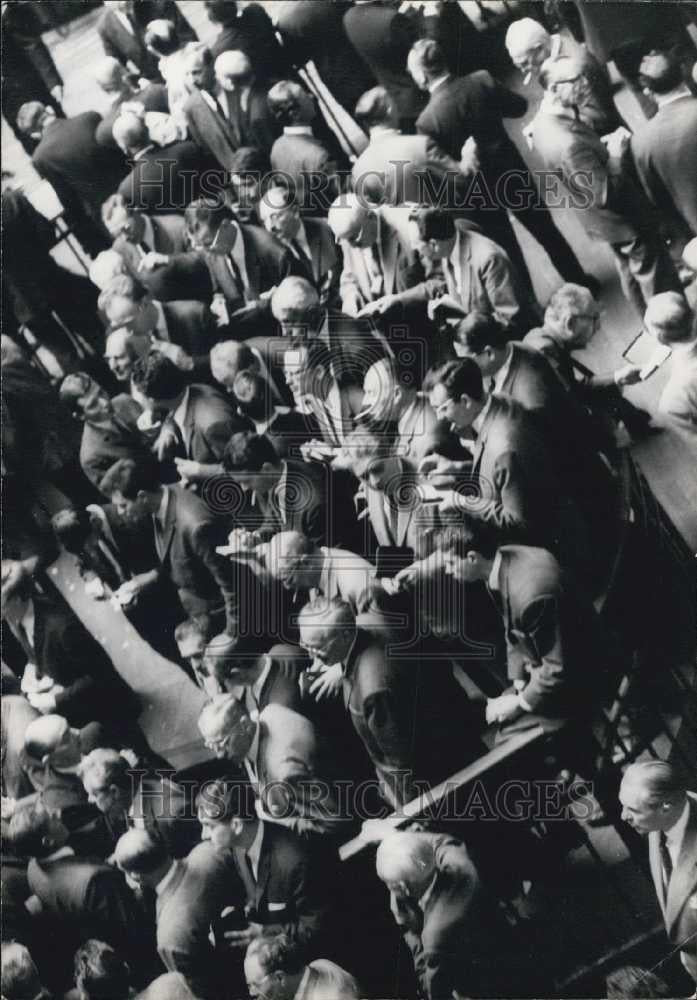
[216,744]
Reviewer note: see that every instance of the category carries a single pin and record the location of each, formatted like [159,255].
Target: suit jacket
[270,350]
[311,502]
[396,258]
[488,281]
[411,715]
[190,325]
[28,71]
[611,208]
[126,46]
[252,32]
[153,98]
[82,172]
[102,446]
[189,900]
[383,37]
[412,524]
[554,639]
[394,169]
[162,807]
[294,885]
[474,105]
[442,927]
[346,576]
[302,157]
[255,125]
[679,904]
[324,270]
[209,423]
[678,402]
[210,130]
[280,687]
[661,148]
[164,179]
[323,978]
[189,281]
[89,897]
[64,650]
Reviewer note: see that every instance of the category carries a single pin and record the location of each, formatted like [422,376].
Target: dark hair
[72,527]
[430,56]
[164,44]
[374,108]
[221,11]
[469,535]
[247,452]
[433,223]
[211,212]
[223,800]
[317,352]
[284,101]
[252,393]
[72,388]
[158,378]
[233,652]
[129,477]
[458,378]
[479,330]
[632,981]
[249,160]
[28,827]
[199,625]
[100,972]
[279,954]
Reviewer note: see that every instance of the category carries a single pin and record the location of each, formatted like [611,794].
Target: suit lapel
[684,877]
[253,269]
[264,870]
[656,871]
[389,247]
[170,522]
[377,516]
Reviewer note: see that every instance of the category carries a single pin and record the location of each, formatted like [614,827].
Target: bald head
[669,319]
[295,301]
[652,795]
[528,44]
[44,735]
[110,75]
[130,133]
[327,629]
[142,856]
[107,265]
[294,561]
[565,78]
[226,727]
[352,221]
[405,862]
[233,69]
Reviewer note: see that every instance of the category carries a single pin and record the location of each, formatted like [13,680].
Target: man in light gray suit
[669,319]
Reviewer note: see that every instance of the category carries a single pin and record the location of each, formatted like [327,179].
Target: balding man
[436,900]
[114,80]
[299,564]
[163,180]
[280,754]
[107,265]
[655,803]
[529,44]
[261,355]
[412,717]
[375,248]
[243,666]
[670,320]
[243,101]
[205,116]
[609,202]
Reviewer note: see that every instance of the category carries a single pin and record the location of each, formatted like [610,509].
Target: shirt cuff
[524,704]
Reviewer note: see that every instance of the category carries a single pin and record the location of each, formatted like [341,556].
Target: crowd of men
[313,434]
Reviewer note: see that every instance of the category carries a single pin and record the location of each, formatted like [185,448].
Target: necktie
[377,283]
[302,257]
[236,274]
[666,861]
[390,517]
[450,278]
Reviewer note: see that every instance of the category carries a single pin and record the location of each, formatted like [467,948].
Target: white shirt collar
[674,836]
[125,21]
[253,852]
[162,509]
[258,684]
[27,621]
[179,415]
[682,91]
[161,321]
[378,131]
[436,83]
[62,852]
[298,130]
[502,374]
[478,422]
[142,152]
[495,572]
[148,236]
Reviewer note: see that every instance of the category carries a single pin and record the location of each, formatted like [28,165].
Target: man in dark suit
[259,678]
[163,179]
[283,883]
[190,894]
[471,108]
[197,421]
[309,241]
[395,168]
[82,173]
[311,160]
[244,101]
[556,648]
[280,752]
[437,902]
[28,71]
[520,489]
[17,714]
[186,535]
[662,146]
[609,202]
[656,803]
[287,429]
[123,37]
[243,261]
[74,677]
[114,80]
[109,430]
[144,240]
[383,36]
[182,331]
[80,897]
[412,718]
[294,496]
[207,123]
[136,797]
[248,29]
